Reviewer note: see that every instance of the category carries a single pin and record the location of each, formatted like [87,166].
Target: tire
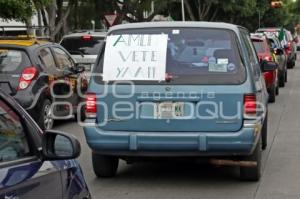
[252,173]
[281,80]
[294,62]
[285,76]
[45,120]
[290,65]
[82,115]
[272,94]
[277,90]
[105,166]
[264,134]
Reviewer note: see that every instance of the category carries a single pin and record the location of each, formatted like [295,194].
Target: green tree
[140,10]
[20,10]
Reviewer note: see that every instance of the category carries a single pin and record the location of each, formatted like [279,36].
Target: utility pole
[182,10]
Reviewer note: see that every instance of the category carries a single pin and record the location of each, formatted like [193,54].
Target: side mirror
[67,71]
[59,146]
[79,68]
[278,51]
[268,66]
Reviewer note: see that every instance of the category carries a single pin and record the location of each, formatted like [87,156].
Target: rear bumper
[123,143]
[25,99]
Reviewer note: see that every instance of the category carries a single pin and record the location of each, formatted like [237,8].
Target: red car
[264,52]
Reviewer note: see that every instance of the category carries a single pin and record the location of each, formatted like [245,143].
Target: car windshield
[259,46]
[196,55]
[13,60]
[87,45]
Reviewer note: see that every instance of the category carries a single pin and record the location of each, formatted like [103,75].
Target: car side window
[251,53]
[63,59]
[13,142]
[47,60]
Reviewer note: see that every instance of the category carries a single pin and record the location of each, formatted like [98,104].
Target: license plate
[169,110]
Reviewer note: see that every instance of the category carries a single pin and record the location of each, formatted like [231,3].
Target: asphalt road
[170,180]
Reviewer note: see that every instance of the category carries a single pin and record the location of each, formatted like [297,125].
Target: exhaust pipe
[220,162]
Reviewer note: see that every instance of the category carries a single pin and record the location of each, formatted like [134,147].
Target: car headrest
[225,53]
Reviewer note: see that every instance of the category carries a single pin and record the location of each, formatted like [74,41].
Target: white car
[84,47]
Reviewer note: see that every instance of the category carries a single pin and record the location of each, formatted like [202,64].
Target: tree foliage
[19,10]
[64,15]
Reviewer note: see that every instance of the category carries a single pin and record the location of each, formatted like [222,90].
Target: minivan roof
[189,24]
[80,34]
[271,29]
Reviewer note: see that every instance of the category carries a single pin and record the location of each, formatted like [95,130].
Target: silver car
[84,47]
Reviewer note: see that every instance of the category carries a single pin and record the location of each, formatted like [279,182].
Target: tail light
[28,74]
[268,58]
[86,37]
[250,105]
[91,105]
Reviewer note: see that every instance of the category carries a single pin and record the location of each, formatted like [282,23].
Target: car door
[22,173]
[281,56]
[53,77]
[260,86]
[65,64]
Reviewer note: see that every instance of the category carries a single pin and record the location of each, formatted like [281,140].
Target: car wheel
[272,94]
[264,134]
[281,80]
[290,64]
[252,173]
[277,90]
[45,119]
[285,76]
[105,166]
[81,117]
[293,64]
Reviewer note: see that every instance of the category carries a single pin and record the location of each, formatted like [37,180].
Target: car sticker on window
[176,32]
[217,68]
[212,60]
[231,67]
[222,61]
[135,57]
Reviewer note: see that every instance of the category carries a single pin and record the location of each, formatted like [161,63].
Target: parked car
[36,164]
[42,77]
[298,42]
[263,50]
[278,50]
[288,43]
[84,47]
[209,67]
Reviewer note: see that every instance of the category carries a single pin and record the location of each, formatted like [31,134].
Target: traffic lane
[173,179]
[282,175]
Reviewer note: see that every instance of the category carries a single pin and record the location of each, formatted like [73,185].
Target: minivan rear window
[195,56]
[12,60]
[87,45]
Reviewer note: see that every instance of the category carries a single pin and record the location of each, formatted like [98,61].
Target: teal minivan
[178,89]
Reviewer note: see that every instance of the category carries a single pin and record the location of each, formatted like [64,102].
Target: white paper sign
[135,57]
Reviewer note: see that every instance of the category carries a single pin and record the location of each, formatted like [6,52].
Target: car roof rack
[88,30]
[25,37]
[44,30]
